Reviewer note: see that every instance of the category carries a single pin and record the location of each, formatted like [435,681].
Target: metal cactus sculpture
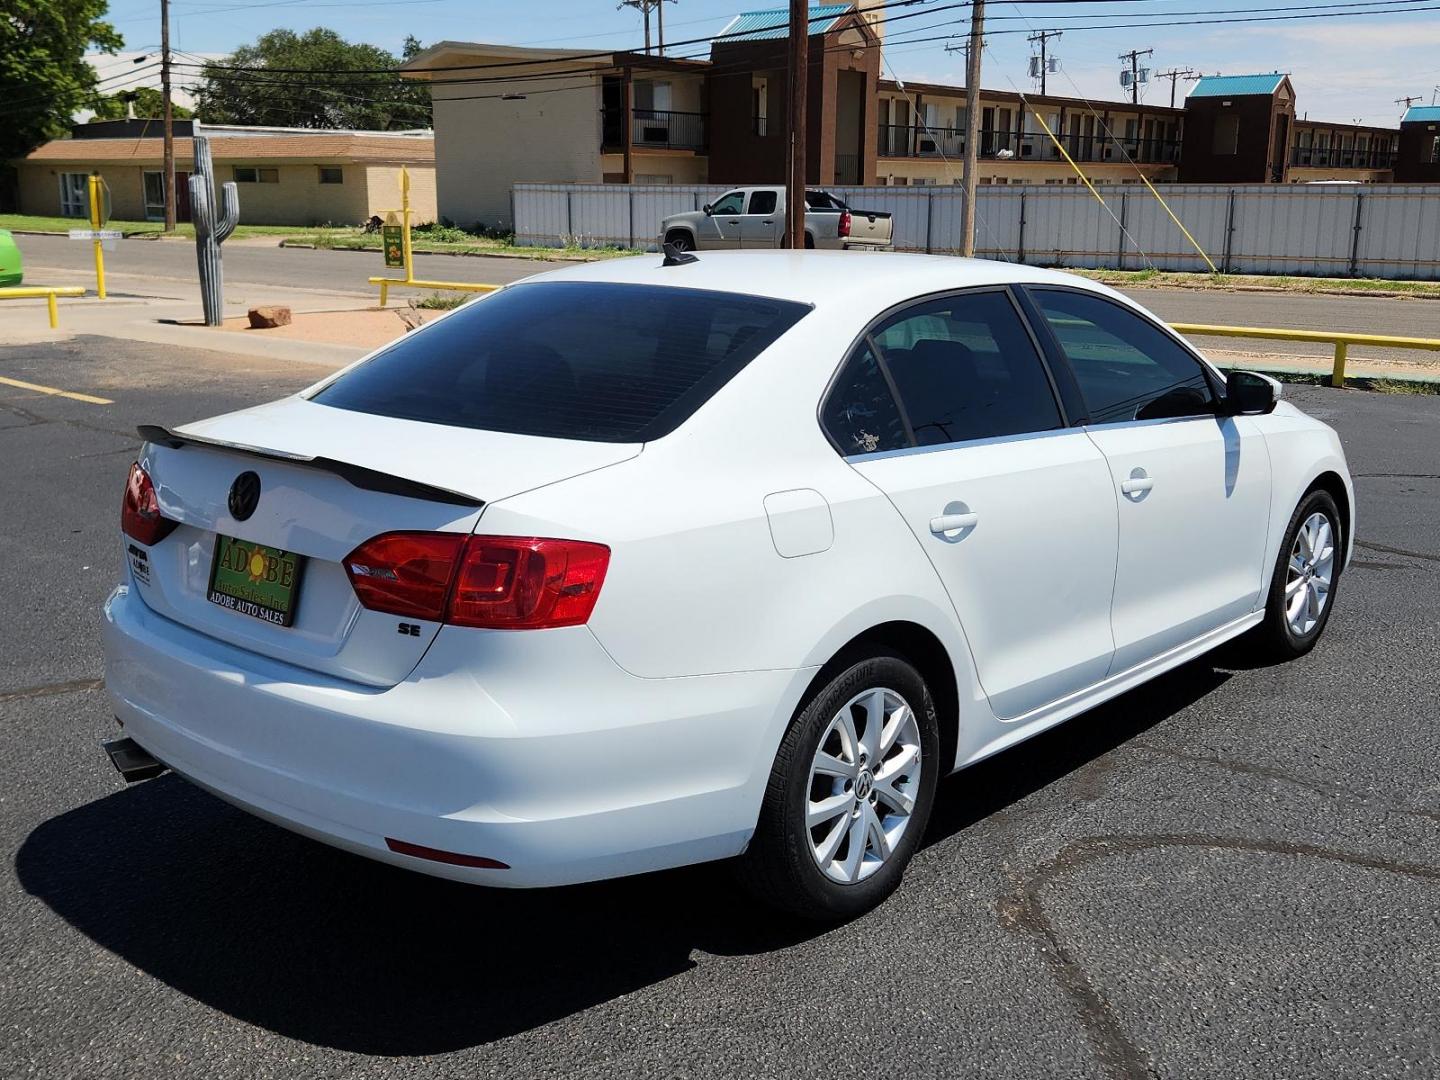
[211,232]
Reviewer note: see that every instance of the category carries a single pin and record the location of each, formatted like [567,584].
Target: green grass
[1285,283]
[430,238]
[436,302]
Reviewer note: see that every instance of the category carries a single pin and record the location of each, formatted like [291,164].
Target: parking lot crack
[1022,911]
[74,686]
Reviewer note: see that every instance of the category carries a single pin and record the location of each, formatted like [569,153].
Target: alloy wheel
[864,779]
[1310,574]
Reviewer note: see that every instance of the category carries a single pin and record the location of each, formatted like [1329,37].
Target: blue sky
[1344,69]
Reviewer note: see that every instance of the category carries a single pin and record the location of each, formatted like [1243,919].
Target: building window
[250,174]
[1435,150]
[654,178]
[329,174]
[1227,134]
[74,194]
[759,103]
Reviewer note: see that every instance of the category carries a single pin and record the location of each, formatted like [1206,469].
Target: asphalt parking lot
[1231,872]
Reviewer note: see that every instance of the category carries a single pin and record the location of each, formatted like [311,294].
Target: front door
[762,222]
[1192,486]
[1014,509]
[720,229]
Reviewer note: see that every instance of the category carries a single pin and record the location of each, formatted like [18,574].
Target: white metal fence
[1371,230]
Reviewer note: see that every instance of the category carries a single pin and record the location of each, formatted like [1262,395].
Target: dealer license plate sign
[255,580]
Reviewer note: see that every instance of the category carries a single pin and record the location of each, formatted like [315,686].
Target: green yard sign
[394,244]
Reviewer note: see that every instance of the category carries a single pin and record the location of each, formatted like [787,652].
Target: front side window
[596,361]
[1128,369]
[732,202]
[963,367]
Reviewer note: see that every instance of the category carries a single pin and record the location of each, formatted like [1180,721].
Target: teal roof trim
[1236,85]
[775,25]
[1425,114]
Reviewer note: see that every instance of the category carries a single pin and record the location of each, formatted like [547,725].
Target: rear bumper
[533,749]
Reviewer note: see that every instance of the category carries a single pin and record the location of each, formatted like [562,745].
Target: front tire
[680,240]
[849,795]
[1306,576]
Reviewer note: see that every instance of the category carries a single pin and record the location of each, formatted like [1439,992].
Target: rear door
[1014,509]
[1193,486]
[762,222]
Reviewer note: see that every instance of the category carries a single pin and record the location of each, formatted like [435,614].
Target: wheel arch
[1333,484]
[917,644]
[689,231]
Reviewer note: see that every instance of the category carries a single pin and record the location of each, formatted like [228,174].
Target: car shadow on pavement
[332,949]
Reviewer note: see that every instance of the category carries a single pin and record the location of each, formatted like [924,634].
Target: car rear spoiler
[356,475]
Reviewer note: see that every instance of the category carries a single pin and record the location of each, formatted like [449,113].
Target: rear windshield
[569,360]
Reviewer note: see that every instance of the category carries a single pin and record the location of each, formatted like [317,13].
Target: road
[1232,872]
[152,260]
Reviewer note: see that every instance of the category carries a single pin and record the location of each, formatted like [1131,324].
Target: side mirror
[1248,393]
[708,209]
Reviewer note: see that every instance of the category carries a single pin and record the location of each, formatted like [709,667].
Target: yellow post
[405,226]
[384,290]
[54,312]
[1337,377]
[96,224]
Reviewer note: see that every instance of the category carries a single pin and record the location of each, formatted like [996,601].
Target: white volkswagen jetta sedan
[647,562]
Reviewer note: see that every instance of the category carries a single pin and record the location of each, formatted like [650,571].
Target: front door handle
[952,523]
[1138,483]
[734,221]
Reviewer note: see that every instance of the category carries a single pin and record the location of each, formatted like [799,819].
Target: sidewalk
[168,311]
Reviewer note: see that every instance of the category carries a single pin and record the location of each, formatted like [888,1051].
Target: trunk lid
[329,480]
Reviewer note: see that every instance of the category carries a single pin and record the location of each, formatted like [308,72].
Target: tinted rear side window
[570,360]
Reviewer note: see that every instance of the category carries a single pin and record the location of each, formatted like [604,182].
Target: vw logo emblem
[864,784]
[244,495]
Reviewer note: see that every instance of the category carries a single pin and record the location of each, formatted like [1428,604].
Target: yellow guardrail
[416,283]
[45,292]
[1340,341]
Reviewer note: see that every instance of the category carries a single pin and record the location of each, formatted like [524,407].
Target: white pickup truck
[754,217]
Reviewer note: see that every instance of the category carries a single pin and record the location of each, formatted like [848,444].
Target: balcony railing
[906,141]
[1342,157]
[660,129]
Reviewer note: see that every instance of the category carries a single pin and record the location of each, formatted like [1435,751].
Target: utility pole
[169,152]
[1134,57]
[799,78]
[1175,75]
[643,6]
[1040,37]
[972,125]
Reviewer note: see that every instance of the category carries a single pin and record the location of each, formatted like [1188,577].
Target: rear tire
[1305,579]
[809,242]
[835,831]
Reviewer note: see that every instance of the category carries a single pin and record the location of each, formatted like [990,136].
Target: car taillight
[844,222]
[493,582]
[140,517]
[405,573]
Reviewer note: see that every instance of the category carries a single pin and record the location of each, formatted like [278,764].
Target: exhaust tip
[132,760]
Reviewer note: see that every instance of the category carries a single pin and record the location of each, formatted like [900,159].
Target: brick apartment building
[570,116]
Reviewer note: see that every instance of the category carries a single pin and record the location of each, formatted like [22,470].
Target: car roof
[876,280]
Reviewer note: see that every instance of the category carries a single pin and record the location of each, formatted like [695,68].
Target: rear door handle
[952,523]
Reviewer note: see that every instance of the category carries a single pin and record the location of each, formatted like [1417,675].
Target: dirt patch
[368,328]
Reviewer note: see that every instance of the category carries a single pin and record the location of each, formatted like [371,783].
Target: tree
[44,78]
[313,80]
[144,103]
